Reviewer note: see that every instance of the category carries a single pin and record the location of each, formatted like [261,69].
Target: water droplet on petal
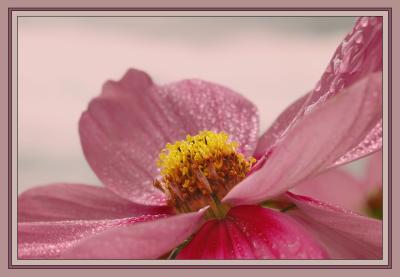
[336,64]
[337,85]
[364,21]
[358,37]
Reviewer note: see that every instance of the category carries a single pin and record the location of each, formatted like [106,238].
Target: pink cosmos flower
[124,129]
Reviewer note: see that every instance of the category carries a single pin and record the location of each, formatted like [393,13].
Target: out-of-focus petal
[335,186]
[357,56]
[58,202]
[124,129]
[374,174]
[344,234]
[252,232]
[148,240]
[320,138]
[49,240]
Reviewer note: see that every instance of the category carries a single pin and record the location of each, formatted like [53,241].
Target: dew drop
[358,37]
[336,85]
[336,64]
[364,21]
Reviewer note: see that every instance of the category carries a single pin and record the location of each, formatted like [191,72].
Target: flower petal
[335,186]
[209,234]
[59,202]
[315,142]
[371,144]
[123,130]
[148,240]
[344,234]
[374,174]
[252,232]
[357,56]
[49,240]
[280,126]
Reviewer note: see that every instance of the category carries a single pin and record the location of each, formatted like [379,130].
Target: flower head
[200,170]
[206,189]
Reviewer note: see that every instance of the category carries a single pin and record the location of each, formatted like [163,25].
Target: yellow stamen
[200,170]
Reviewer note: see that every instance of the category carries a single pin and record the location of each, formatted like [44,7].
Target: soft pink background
[64,61]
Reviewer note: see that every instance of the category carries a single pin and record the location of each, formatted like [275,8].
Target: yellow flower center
[200,170]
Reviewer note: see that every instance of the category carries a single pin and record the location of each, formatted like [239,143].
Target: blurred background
[63,62]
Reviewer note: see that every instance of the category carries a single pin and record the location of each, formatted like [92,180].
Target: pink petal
[49,240]
[334,186]
[357,56]
[374,172]
[124,129]
[210,234]
[59,202]
[280,126]
[371,144]
[148,240]
[344,234]
[320,138]
[252,232]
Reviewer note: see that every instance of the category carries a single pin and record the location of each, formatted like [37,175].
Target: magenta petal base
[252,232]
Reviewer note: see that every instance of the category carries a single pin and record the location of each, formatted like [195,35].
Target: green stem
[220,210]
[288,208]
[178,249]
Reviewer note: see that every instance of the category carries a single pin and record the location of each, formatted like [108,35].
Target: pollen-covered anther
[200,170]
